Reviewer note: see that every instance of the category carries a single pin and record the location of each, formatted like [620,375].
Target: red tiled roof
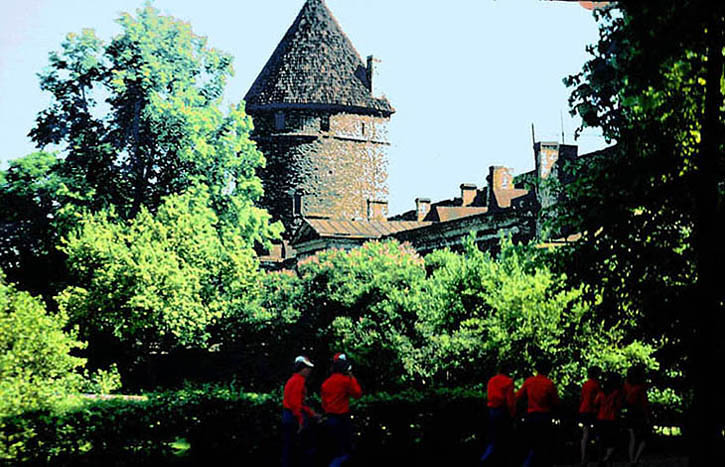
[315,64]
[327,228]
[504,197]
[447,213]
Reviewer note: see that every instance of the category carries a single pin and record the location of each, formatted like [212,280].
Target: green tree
[652,206]
[161,129]
[514,309]
[159,281]
[30,195]
[364,302]
[37,368]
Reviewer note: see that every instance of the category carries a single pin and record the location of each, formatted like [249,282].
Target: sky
[467,77]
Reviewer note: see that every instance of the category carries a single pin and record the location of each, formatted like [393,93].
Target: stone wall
[332,172]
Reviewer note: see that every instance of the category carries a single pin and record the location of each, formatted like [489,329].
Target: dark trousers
[298,449]
[338,435]
[500,429]
[540,438]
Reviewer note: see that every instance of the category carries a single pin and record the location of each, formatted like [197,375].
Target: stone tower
[319,125]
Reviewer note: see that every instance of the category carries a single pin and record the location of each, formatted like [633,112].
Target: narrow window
[279,121]
[297,204]
[363,128]
[325,123]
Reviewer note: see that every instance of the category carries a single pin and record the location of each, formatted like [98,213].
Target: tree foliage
[651,207]
[37,367]
[135,119]
[160,280]
[448,319]
[160,128]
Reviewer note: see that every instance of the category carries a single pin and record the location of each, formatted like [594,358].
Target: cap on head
[339,356]
[303,360]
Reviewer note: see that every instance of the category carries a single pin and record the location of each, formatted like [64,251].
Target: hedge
[218,426]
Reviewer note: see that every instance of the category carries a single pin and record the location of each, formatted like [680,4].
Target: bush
[225,426]
[36,365]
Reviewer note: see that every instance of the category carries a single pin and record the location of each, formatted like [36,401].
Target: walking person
[541,399]
[298,449]
[637,412]
[336,393]
[608,403]
[587,408]
[501,410]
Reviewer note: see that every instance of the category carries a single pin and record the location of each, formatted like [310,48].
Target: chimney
[377,210]
[468,193]
[499,178]
[422,208]
[370,71]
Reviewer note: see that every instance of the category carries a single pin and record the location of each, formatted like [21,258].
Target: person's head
[612,382]
[543,366]
[340,363]
[303,365]
[504,367]
[594,372]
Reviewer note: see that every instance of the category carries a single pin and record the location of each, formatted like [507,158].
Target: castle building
[324,134]
[320,126]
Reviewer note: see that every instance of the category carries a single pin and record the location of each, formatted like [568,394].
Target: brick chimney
[422,208]
[377,210]
[499,178]
[468,193]
[370,72]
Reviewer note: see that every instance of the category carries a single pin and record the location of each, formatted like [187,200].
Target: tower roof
[315,65]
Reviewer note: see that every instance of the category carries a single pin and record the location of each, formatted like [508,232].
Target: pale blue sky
[467,77]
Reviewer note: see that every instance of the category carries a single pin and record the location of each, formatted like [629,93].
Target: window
[362,128]
[325,123]
[279,121]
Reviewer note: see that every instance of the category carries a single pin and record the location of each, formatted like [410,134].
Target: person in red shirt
[587,409]
[541,399]
[501,409]
[336,393]
[608,403]
[637,407]
[296,416]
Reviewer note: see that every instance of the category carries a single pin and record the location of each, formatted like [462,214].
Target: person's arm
[510,399]
[555,401]
[294,394]
[353,387]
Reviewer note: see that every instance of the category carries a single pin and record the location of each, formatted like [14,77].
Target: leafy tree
[30,194]
[37,368]
[652,206]
[365,302]
[159,281]
[160,130]
[514,309]
[135,119]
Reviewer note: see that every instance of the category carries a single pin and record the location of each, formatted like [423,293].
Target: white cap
[305,360]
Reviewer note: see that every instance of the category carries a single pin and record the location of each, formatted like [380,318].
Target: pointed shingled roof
[315,64]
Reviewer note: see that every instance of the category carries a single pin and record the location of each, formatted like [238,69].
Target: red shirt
[608,404]
[337,391]
[590,389]
[500,392]
[635,396]
[540,392]
[294,397]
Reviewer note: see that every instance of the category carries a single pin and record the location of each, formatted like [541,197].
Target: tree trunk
[707,348]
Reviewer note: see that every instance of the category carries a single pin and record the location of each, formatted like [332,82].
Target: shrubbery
[217,425]
[36,366]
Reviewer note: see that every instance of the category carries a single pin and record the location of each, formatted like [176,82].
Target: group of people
[605,408]
[299,446]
